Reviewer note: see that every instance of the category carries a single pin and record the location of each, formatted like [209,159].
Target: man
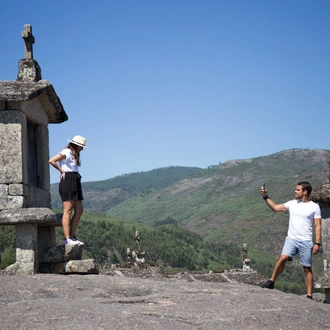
[303,214]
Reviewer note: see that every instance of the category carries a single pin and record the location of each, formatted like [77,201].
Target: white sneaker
[70,241]
[74,239]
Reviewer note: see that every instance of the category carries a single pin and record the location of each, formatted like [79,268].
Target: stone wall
[24,175]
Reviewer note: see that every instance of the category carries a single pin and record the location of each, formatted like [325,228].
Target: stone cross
[28,41]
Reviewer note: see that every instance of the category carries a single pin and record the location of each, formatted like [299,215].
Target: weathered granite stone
[29,40]
[16,201]
[28,70]
[28,235]
[26,250]
[3,196]
[326,245]
[43,171]
[4,190]
[33,109]
[15,91]
[61,253]
[11,147]
[86,266]
[3,202]
[17,189]
[46,240]
[38,198]
[28,215]
[321,195]
[48,302]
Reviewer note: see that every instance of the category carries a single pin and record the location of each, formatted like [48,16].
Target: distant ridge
[101,195]
[221,203]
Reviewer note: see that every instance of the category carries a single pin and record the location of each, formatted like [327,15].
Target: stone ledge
[62,253]
[36,215]
[16,91]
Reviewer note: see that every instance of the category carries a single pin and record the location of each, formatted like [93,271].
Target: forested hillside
[102,195]
[221,203]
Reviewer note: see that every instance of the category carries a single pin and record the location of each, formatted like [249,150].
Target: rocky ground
[134,298]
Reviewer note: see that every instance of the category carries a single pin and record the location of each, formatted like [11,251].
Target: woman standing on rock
[68,162]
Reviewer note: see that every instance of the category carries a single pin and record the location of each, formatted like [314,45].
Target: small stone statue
[246,261]
[137,254]
[244,249]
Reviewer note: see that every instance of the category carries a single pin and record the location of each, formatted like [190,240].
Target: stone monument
[27,106]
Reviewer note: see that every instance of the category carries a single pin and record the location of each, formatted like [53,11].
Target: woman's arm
[53,161]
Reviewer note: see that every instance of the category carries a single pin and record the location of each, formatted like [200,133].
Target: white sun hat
[79,141]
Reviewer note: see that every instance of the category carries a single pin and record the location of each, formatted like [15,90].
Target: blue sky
[152,84]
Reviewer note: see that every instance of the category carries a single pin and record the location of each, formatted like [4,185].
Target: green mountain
[100,196]
[195,219]
[221,203]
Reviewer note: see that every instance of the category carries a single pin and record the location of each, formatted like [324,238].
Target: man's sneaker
[269,285]
[77,241]
[309,297]
[70,241]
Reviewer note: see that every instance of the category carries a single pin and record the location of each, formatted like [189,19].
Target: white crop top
[68,164]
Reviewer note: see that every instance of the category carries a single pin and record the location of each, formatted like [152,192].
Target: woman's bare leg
[67,210]
[78,211]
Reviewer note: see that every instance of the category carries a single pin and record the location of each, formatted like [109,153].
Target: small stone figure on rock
[244,249]
[137,254]
[246,261]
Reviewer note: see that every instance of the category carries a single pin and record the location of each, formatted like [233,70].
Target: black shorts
[70,187]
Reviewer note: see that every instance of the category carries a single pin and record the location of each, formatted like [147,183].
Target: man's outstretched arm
[273,206]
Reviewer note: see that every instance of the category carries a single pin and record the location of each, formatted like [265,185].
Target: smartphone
[264,186]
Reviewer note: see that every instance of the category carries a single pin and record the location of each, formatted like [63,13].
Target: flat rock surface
[118,301]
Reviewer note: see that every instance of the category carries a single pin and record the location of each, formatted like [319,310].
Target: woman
[68,162]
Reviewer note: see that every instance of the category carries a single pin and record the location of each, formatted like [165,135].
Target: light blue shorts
[304,248]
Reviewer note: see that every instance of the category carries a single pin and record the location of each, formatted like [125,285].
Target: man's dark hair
[306,186]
